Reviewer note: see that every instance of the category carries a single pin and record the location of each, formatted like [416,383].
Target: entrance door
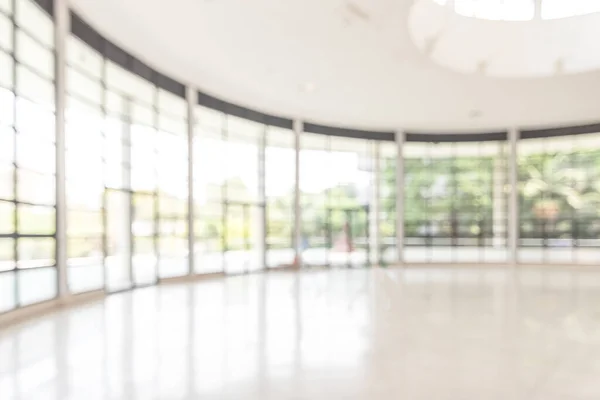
[118,240]
[348,237]
[130,240]
[244,239]
[143,229]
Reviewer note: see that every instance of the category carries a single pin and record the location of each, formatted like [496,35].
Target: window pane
[35,252]
[6,182]
[7,254]
[6,78]
[82,223]
[84,57]
[35,88]
[6,32]
[36,285]
[7,217]
[35,21]
[84,251]
[85,278]
[7,291]
[33,119]
[85,264]
[36,220]
[84,194]
[35,188]
[34,55]
[35,155]
[83,86]
[7,145]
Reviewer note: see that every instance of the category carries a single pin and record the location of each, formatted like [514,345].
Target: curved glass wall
[27,156]
[127,183]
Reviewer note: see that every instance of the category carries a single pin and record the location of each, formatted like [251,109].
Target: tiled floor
[341,334]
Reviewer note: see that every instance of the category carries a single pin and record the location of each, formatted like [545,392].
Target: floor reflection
[322,334]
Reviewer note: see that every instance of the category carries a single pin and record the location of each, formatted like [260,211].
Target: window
[455,202]
[559,191]
[280,177]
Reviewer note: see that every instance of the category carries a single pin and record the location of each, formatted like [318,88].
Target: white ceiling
[341,62]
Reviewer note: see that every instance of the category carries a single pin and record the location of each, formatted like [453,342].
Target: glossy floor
[340,334]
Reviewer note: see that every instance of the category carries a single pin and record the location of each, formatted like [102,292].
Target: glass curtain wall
[131,178]
[559,199]
[229,201]
[84,142]
[27,156]
[209,190]
[280,179]
[455,202]
[172,171]
[127,181]
[336,180]
[244,196]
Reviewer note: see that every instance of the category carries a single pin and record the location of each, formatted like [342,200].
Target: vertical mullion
[104,174]
[297,239]
[262,210]
[224,193]
[513,205]
[373,230]
[400,193]
[15,166]
[61,30]
[191,100]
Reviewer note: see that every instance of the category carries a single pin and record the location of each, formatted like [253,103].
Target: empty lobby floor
[453,333]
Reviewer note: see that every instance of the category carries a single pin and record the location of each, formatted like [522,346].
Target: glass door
[118,240]
[244,239]
[348,237]
[359,235]
[143,228]
[235,239]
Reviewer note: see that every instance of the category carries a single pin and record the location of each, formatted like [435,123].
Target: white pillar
[374,214]
[400,138]
[262,198]
[513,201]
[298,128]
[191,97]
[61,32]
[538,9]
[128,239]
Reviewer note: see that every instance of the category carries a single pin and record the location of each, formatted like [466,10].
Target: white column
[61,32]
[191,97]
[538,9]
[126,177]
[262,196]
[513,201]
[374,231]
[298,128]
[400,138]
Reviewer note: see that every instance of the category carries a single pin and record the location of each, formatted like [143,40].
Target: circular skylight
[521,10]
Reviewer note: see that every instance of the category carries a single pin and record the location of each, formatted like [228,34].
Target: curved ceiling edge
[94,39]
[456,137]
